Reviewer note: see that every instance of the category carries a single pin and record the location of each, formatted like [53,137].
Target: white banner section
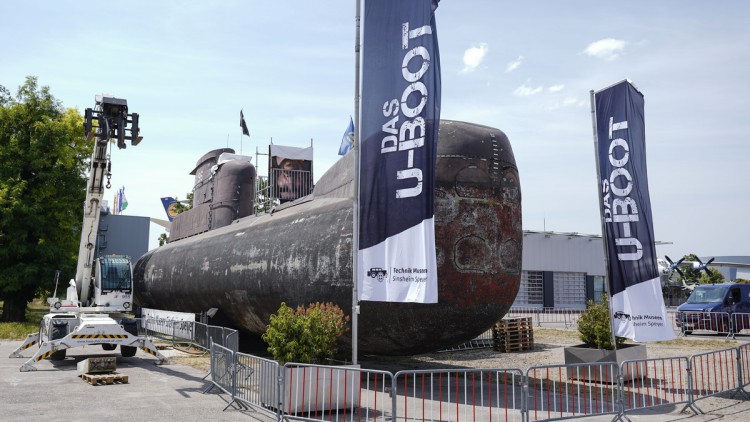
[406,278]
[643,316]
[183,328]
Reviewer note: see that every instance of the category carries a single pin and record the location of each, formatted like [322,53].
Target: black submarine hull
[302,253]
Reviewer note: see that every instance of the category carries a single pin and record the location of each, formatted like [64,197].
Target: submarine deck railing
[282,186]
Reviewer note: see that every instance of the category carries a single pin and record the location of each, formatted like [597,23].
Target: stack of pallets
[103,379]
[513,335]
[100,371]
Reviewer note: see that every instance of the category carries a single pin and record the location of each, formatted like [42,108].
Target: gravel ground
[548,350]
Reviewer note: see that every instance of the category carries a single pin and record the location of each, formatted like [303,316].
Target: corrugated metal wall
[549,251]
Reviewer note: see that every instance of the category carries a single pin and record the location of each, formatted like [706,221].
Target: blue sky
[524,67]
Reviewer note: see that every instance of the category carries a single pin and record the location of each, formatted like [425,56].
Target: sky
[188,68]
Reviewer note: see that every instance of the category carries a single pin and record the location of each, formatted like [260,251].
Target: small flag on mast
[347,141]
[243,125]
[123,199]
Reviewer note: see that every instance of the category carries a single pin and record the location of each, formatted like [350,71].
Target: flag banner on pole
[243,125]
[348,139]
[637,304]
[400,121]
[169,204]
[123,200]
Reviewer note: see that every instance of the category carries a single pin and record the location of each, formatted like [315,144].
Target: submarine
[223,254]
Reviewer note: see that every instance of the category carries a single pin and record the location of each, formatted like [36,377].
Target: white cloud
[511,66]
[527,91]
[556,88]
[573,101]
[567,102]
[608,49]
[473,57]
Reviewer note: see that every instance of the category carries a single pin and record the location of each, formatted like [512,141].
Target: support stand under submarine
[223,256]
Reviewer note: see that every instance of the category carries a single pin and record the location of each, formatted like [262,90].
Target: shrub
[307,335]
[594,328]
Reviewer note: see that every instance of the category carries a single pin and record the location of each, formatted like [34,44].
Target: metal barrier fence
[684,323]
[740,323]
[482,341]
[550,392]
[222,369]
[656,382]
[453,395]
[714,372]
[568,317]
[257,382]
[564,391]
[715,322]
[189,332]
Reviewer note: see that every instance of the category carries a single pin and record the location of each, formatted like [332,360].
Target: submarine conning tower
[224,191]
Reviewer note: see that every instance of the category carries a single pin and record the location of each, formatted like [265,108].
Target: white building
[560,270]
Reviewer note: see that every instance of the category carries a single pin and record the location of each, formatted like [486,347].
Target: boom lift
[95,308]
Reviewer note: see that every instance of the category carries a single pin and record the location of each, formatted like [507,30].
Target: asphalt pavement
[153,393]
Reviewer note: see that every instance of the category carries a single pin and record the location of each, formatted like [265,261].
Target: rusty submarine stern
[301,252]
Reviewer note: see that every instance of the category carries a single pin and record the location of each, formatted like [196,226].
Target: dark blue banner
[400,121]
[637,305]
[626,205]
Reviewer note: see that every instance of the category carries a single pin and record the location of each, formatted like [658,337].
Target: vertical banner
[637,304]
[400,122]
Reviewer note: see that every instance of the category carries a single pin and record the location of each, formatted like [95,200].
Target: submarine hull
[301,253]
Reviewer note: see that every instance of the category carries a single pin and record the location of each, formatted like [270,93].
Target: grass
[18,330]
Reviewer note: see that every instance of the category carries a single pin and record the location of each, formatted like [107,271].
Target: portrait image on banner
[399,127]
[637,303]
[290,172]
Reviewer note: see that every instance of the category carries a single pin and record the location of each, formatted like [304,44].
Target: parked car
[713,307]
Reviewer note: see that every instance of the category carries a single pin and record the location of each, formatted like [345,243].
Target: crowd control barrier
[453,395]
[656,382]
[550,392]
[189,333]
[567,317]
[564,391]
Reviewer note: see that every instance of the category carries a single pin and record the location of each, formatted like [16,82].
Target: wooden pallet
[513,335]
[103,379]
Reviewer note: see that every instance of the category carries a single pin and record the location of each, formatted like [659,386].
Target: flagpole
[355,222]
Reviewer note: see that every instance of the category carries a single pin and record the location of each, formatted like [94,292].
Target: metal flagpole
[355,146]
[604,233]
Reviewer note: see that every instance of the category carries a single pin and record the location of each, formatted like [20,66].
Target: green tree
[307,335]
[594,328]
[43,159]
[715,277]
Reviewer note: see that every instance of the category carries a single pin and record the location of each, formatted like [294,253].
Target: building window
[530,292]
[570,289]
[598,288]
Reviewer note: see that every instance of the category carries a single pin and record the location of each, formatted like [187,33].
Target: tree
[594,328]
[715,277]
[43,159]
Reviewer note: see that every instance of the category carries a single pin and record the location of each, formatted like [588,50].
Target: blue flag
[169,207]
[400,121]
[348,139]
[627,225]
